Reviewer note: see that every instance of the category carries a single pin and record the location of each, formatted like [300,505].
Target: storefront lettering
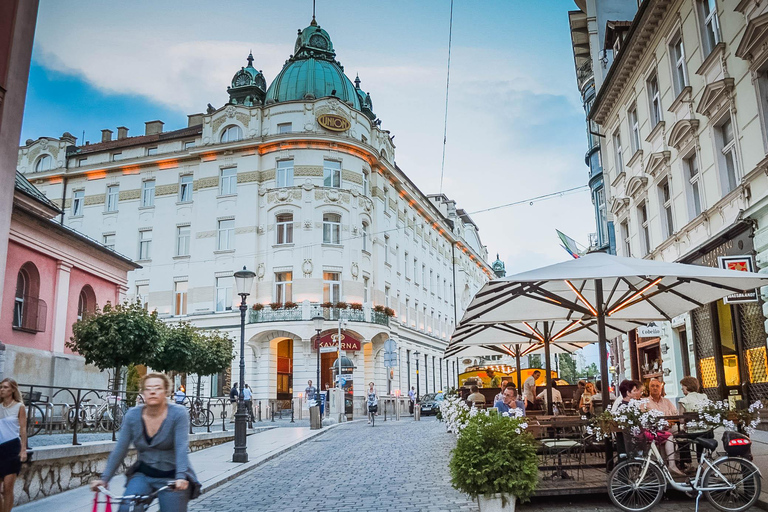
[333,122]
[332,340]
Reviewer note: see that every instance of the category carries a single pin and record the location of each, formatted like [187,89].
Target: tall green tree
[568,368]
[117,336]
[178,349]
[534,361]
[214,353]
[590,371]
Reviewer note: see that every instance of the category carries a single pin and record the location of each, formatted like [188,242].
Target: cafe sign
[330,342]
[740,264]
[333,122]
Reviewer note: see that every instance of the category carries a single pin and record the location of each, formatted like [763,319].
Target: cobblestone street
[395,466]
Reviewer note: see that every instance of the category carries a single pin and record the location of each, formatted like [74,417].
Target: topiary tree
[117,336]
[213,353]
[180,344]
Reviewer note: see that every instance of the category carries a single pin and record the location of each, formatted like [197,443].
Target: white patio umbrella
[604,288]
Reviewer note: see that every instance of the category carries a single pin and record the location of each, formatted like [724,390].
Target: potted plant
[389,312]
[340,305]
[326,305]
[355,306]
[290,305]
[275,305]
[379,308]
[258,306]
[495,461]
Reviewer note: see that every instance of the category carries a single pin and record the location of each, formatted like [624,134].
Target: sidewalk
[760,455]
[213,466]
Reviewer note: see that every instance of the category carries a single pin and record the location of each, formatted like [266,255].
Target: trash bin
[315,421]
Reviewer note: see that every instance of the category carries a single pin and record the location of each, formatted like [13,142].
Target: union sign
[331,340]
[333,122]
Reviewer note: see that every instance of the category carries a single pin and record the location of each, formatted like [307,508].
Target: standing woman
[160,432]
[13,439]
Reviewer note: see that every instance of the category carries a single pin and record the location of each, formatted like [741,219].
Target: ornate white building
[297,182]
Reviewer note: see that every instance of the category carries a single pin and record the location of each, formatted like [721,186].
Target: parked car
[430,403]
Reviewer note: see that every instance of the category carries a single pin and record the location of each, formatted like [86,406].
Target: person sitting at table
[529,390]
[629,390]
[657,402]
[557,397]
[476,397]
[691,402]
[509,401]
[585,403]
[499,396]
[579,391]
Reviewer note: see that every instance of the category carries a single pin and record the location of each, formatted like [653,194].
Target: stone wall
[57,469]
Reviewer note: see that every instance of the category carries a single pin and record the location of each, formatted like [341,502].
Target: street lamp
[243,284]
[416,356]
[318,323]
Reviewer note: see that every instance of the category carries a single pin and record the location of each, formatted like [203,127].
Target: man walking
[310,391]
[412,396]
[248,401]
[233,393]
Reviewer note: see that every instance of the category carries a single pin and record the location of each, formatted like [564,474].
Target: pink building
[53,276]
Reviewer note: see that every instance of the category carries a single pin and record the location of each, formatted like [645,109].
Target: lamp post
[243,284]
[342,325]
[318,323]
[416,356]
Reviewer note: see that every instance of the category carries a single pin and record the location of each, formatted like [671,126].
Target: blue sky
[515,125]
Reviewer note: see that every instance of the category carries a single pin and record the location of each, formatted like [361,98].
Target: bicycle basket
[635,445]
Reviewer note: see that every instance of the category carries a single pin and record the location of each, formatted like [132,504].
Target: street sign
[390,360]
[649,331]
[741,264]
[390,346]
[328,349]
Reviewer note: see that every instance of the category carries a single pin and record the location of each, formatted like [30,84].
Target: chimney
[106,135]
[122,132]
[68,138]
[153,127]
[194,120]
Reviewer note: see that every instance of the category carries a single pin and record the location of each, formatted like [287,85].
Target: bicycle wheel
[373,418]
[35,420]
[209,418]
[110,416]
[742,475]
[628,492]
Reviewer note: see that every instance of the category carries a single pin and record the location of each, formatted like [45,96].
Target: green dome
[313,72]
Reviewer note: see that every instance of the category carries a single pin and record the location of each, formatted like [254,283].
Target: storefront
[729,337]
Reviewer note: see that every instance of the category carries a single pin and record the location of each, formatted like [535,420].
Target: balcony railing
[308,313]
[274,315]
[379,318]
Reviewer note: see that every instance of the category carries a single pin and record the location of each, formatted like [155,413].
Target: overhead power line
[536,199]
[447,86]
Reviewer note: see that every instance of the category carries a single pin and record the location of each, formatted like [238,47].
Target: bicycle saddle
[709,444]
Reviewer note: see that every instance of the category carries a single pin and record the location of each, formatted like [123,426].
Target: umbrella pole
[603,350]
[517,358]
[548,368]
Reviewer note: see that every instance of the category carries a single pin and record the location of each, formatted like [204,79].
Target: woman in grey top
[159,432]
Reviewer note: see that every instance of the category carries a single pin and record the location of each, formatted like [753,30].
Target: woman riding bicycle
[372,402]
[160,433]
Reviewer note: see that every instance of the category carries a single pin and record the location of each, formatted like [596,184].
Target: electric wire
[447,87]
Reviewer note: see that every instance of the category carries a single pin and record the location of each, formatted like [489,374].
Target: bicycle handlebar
[138,498]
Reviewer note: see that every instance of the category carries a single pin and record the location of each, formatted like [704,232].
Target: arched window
[86,302]
[284,228]
[331,228]
[365,236]
[29,311]
[231,134]
[44,163]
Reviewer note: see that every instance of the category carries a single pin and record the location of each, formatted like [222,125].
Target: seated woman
[657,401]
[585,404]
[691,402]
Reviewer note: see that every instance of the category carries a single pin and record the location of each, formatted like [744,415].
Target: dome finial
[250,58]
[314,23]
[357,81]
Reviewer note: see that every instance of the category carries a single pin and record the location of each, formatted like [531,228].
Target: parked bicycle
[199,415]
[135,502]
[730,483]
[106,416]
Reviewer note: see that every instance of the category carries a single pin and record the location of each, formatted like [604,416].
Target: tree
[177,350]
[568,368]
[590,371]
[534,361]
[117,336]
[214,352]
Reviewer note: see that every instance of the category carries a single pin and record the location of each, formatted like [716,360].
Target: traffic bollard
[292,412]
[259,411]
[273,412]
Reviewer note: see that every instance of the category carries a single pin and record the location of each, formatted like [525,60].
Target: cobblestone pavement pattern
[394,466]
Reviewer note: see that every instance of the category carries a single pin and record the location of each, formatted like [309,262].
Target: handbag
[108,507]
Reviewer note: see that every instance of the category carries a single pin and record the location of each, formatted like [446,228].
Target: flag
[569,244]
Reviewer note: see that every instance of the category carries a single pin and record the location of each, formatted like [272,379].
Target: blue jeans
[170,501]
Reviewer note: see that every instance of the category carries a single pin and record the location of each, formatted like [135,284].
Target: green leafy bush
[495,455]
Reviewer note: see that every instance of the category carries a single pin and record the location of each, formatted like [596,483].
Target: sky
[515,122]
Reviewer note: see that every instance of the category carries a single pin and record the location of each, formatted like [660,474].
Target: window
[634,130]
[679,67]
[439,289]
[625,239]
[113,195]
[108,241]
[145,244]
[85,302]
[431,281]
[285,173]
[665,198]
[148,193]
[728,162]
[415,274]
[185,188]
[366,184]
[407,312]
[77,202]
[284,128]
[386,249]
[22,291]
[180,297]
[386,296]
[364,139]
[189,144]
[183,235]
[331,287]
[424,275]
[710,25]
[405,264]
[116,157]
[82,161]
[231,134]
[331,228]
[364,235]
[691,165]
[226,235]
[29,311]
[44,163]
[331,173]
[654,100]
[142,295]
[366,290]
[151,151]
[224,294]
[617,150]
[284,228]
[283,291]
[228,181]
[601,214]
[642,214]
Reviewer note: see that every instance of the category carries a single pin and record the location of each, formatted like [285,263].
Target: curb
[762,501]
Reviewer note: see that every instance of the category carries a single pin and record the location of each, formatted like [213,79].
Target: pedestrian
[324,399]
[160,433]
[309,392]
[233,395]
[529,390]
[372,401]
[248,401]
[412,398]
[13,439]
[179,396]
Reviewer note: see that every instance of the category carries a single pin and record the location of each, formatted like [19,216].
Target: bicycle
[199,416]
[372,410]
[134,500]
[730,484]
[35,419]
[102,416]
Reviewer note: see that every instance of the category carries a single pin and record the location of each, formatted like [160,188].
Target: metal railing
[274,315]
[302,312]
